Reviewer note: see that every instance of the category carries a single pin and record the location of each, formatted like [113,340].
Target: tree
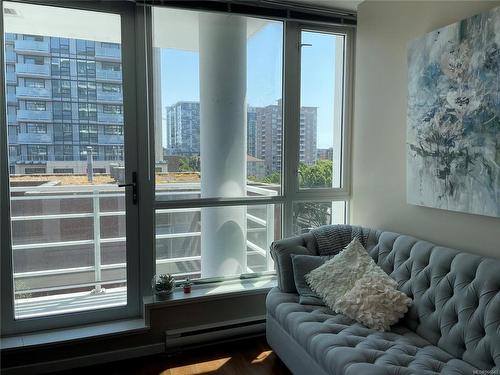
[189,164]
[309,215]
[318,175]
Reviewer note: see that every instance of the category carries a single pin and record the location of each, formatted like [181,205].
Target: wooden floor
[246,357]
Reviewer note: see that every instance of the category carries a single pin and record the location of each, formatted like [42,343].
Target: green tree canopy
[318,175]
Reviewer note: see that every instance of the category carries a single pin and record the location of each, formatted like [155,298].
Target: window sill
[54,336]
[201,292]
[213,291]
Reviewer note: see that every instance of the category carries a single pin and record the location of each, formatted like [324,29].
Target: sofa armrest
[281,252]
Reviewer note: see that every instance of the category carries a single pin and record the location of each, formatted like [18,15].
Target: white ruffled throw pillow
[354,285]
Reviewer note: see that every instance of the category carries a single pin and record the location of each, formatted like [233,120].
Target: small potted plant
[163,285]
[187,286]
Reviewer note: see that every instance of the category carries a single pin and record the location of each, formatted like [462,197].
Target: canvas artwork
[453,128]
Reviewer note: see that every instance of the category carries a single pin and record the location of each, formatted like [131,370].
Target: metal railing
[50,192]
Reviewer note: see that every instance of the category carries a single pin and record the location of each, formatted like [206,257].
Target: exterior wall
[183,129]
[379,132]
[62,95]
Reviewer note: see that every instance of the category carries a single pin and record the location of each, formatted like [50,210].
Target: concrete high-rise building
[251,131]
[269,137]
[308,135]
[183,129]
[63,95]
[264,133]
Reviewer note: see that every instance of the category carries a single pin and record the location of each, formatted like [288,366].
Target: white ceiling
[350,5]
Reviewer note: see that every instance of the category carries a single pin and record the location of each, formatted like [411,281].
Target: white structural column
[222,45]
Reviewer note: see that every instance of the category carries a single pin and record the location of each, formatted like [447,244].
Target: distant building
[264,133]
[251,130]
[183,129]
[325,153]
[63,95]
[269,137]
[255,167]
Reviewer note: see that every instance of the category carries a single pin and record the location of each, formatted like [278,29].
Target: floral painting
[453,128]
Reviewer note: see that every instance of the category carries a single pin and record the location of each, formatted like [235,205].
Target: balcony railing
[32,47]
[109,97]
[33,93]
[32,70]
[11,77]
[10,57]
[12,138]
[28,116]
[78,288]
[111,54]
[110,118]
[107,139]
[108,75]
[34,138]
[11,98]
[12,118]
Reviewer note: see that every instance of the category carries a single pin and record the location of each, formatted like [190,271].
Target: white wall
[379,132]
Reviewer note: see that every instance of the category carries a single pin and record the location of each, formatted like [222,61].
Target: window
[35,60]
[109,87]
[70,248]
[87,90]
[321,99]
[111,66]
[86,151]
[113,153]
[36,106]
[36,128]
[110,45]
[63,153]
[244,150]
[85,69]
[34,82]
[61,111]
[63,170]
[205,141]
[113,130]
[61,89]
[35,38]
[35,170]
[14,151]
[227,141]
[88,133]
[86,47]
[37,152]
[108,108]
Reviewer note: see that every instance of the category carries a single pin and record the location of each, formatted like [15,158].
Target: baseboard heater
[216,332]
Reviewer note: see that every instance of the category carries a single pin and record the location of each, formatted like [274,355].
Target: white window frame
[290,192]
[139,114]
[9,324]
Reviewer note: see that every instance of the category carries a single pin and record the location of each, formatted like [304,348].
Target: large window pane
[68,225]
[310,215]
[218,110]
[199,242]
[321,112]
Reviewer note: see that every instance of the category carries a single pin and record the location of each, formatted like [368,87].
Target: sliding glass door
[70,123]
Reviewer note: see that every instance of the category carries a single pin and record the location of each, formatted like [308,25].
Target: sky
[180,75]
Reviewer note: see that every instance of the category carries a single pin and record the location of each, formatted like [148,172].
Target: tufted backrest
[456,295]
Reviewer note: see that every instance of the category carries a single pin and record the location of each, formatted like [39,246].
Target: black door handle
[134,187]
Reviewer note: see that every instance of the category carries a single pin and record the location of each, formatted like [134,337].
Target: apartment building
[63,96]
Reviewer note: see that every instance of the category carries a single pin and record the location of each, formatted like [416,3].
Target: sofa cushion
[337,276]
[303,264]
[281,252]
[456,296]
[374,303]
[342,346]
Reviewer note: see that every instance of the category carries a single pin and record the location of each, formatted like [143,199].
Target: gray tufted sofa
[453,326]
